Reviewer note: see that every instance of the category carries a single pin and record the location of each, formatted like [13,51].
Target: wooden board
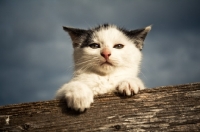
[169,108]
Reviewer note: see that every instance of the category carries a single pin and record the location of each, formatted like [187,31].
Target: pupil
[94,46]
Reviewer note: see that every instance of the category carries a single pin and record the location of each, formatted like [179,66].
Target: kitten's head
[105,48]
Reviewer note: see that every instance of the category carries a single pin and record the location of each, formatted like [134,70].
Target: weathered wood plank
[170,108]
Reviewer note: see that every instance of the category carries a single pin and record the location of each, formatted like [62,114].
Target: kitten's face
[106,48]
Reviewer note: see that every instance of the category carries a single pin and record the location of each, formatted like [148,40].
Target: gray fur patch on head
[87,39]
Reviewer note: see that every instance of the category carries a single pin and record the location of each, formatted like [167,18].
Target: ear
[75,34]
[139,35]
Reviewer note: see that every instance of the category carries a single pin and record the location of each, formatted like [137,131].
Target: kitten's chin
[104,68]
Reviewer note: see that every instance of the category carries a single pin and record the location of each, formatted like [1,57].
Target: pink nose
[106,53]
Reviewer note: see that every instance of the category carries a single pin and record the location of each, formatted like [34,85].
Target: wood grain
[168,108]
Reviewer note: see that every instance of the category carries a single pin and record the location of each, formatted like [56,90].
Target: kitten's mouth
[107,63]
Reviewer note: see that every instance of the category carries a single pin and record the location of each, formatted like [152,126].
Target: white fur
[92,78]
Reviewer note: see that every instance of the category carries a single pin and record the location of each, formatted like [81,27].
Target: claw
[132,92]
[117,88]
[124,92]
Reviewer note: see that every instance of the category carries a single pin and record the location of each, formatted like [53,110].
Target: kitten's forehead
[108,34]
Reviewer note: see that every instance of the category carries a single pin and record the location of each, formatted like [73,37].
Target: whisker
[86,59]
[83,69]
[81,63]
[143,75]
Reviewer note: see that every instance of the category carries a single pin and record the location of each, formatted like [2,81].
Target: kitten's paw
[77,95]
[130,87]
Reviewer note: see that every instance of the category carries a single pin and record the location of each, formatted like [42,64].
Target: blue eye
[118,46]
[94,45]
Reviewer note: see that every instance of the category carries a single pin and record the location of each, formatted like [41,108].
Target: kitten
[107,59]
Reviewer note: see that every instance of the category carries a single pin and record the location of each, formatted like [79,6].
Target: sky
[36,54]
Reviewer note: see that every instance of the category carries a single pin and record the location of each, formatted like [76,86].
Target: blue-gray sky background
[36,54]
